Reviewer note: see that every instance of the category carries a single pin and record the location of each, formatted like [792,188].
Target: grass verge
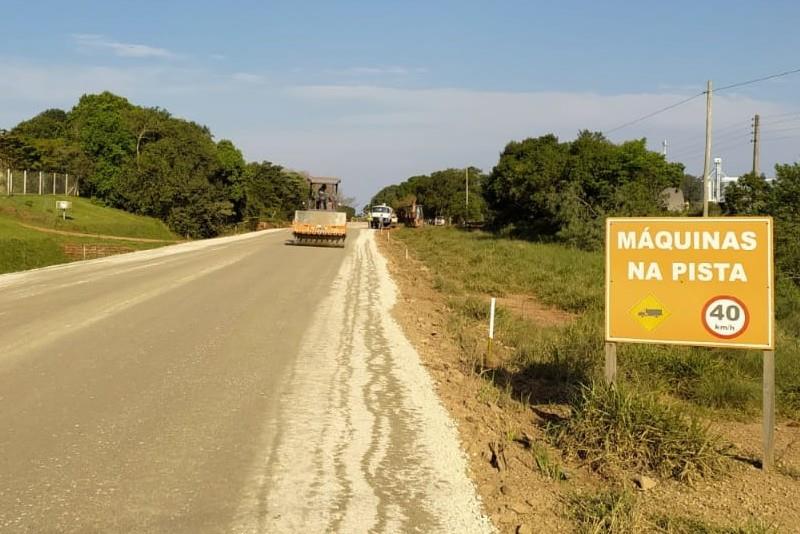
[84,217]
[469,267]
[23,248]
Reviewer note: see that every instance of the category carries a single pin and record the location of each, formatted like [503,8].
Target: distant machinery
[718,182]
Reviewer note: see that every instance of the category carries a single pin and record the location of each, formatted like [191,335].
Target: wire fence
[13,182]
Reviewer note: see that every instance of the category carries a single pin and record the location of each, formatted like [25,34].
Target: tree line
[441,193]
[546,189]
[146,161]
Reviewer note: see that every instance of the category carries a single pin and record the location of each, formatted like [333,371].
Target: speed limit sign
[725,317]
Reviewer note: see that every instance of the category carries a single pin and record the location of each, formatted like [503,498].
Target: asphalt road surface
[231,385]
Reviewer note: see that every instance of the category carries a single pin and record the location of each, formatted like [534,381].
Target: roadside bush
[614,427]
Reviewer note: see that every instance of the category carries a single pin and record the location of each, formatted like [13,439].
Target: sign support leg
[768,462]
[611,364]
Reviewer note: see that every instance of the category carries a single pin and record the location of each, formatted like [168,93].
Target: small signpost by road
[687,281]
[63,206]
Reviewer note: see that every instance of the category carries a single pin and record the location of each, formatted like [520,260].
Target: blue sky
[377,91]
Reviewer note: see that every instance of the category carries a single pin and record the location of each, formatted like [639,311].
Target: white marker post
[491,330]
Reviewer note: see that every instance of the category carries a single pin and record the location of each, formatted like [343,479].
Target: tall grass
[609,512]
[614,427]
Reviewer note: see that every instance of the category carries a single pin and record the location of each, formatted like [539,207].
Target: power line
[756,80]
[689,99]
[778,115]
[653,114]
[784,121]
[697,151]
[740,131]
[771,130]
[781,138]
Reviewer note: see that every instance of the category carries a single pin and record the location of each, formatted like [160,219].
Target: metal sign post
[611,364]
[768,415]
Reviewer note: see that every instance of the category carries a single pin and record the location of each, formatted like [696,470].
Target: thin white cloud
[248,77]
[127,50]
[392,70]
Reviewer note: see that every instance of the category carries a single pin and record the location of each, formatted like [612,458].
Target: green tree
[271,192]
[546,188]
[522,190]
[146,161]
[231,175]
[750,195]
[99,125]
[17,152]
[784,205]
[171,180]
[49,124]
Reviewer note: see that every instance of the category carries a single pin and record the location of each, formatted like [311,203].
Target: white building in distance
[718,182]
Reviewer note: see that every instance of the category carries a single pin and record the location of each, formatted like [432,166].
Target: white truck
[380,216]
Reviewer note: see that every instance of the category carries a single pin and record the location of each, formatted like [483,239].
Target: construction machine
[410,212]
[320,224]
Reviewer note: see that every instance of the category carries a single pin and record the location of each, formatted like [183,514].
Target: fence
[77,251]
[37,183]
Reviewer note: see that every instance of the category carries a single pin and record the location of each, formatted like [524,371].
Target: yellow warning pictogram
[649,313]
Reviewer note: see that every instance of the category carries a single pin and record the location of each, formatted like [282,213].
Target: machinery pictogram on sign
[649,313]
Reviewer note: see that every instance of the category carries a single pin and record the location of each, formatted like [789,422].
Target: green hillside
[29,226]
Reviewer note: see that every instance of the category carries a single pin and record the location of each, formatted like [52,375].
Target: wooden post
[768,462]
[25,182]
[756,142]
[54,183]
[611,363]
[66,184]
[8,181]
[40,182]
[707,161]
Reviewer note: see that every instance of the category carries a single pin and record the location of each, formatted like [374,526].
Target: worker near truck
[322,197]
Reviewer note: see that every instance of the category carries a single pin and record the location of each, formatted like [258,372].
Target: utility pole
[756,142]
[707,162]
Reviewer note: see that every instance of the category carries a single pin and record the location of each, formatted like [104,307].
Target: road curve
[231,385]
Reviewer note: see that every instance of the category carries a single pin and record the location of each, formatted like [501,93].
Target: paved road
[234,385]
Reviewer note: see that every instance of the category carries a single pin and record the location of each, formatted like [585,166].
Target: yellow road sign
[690,281]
